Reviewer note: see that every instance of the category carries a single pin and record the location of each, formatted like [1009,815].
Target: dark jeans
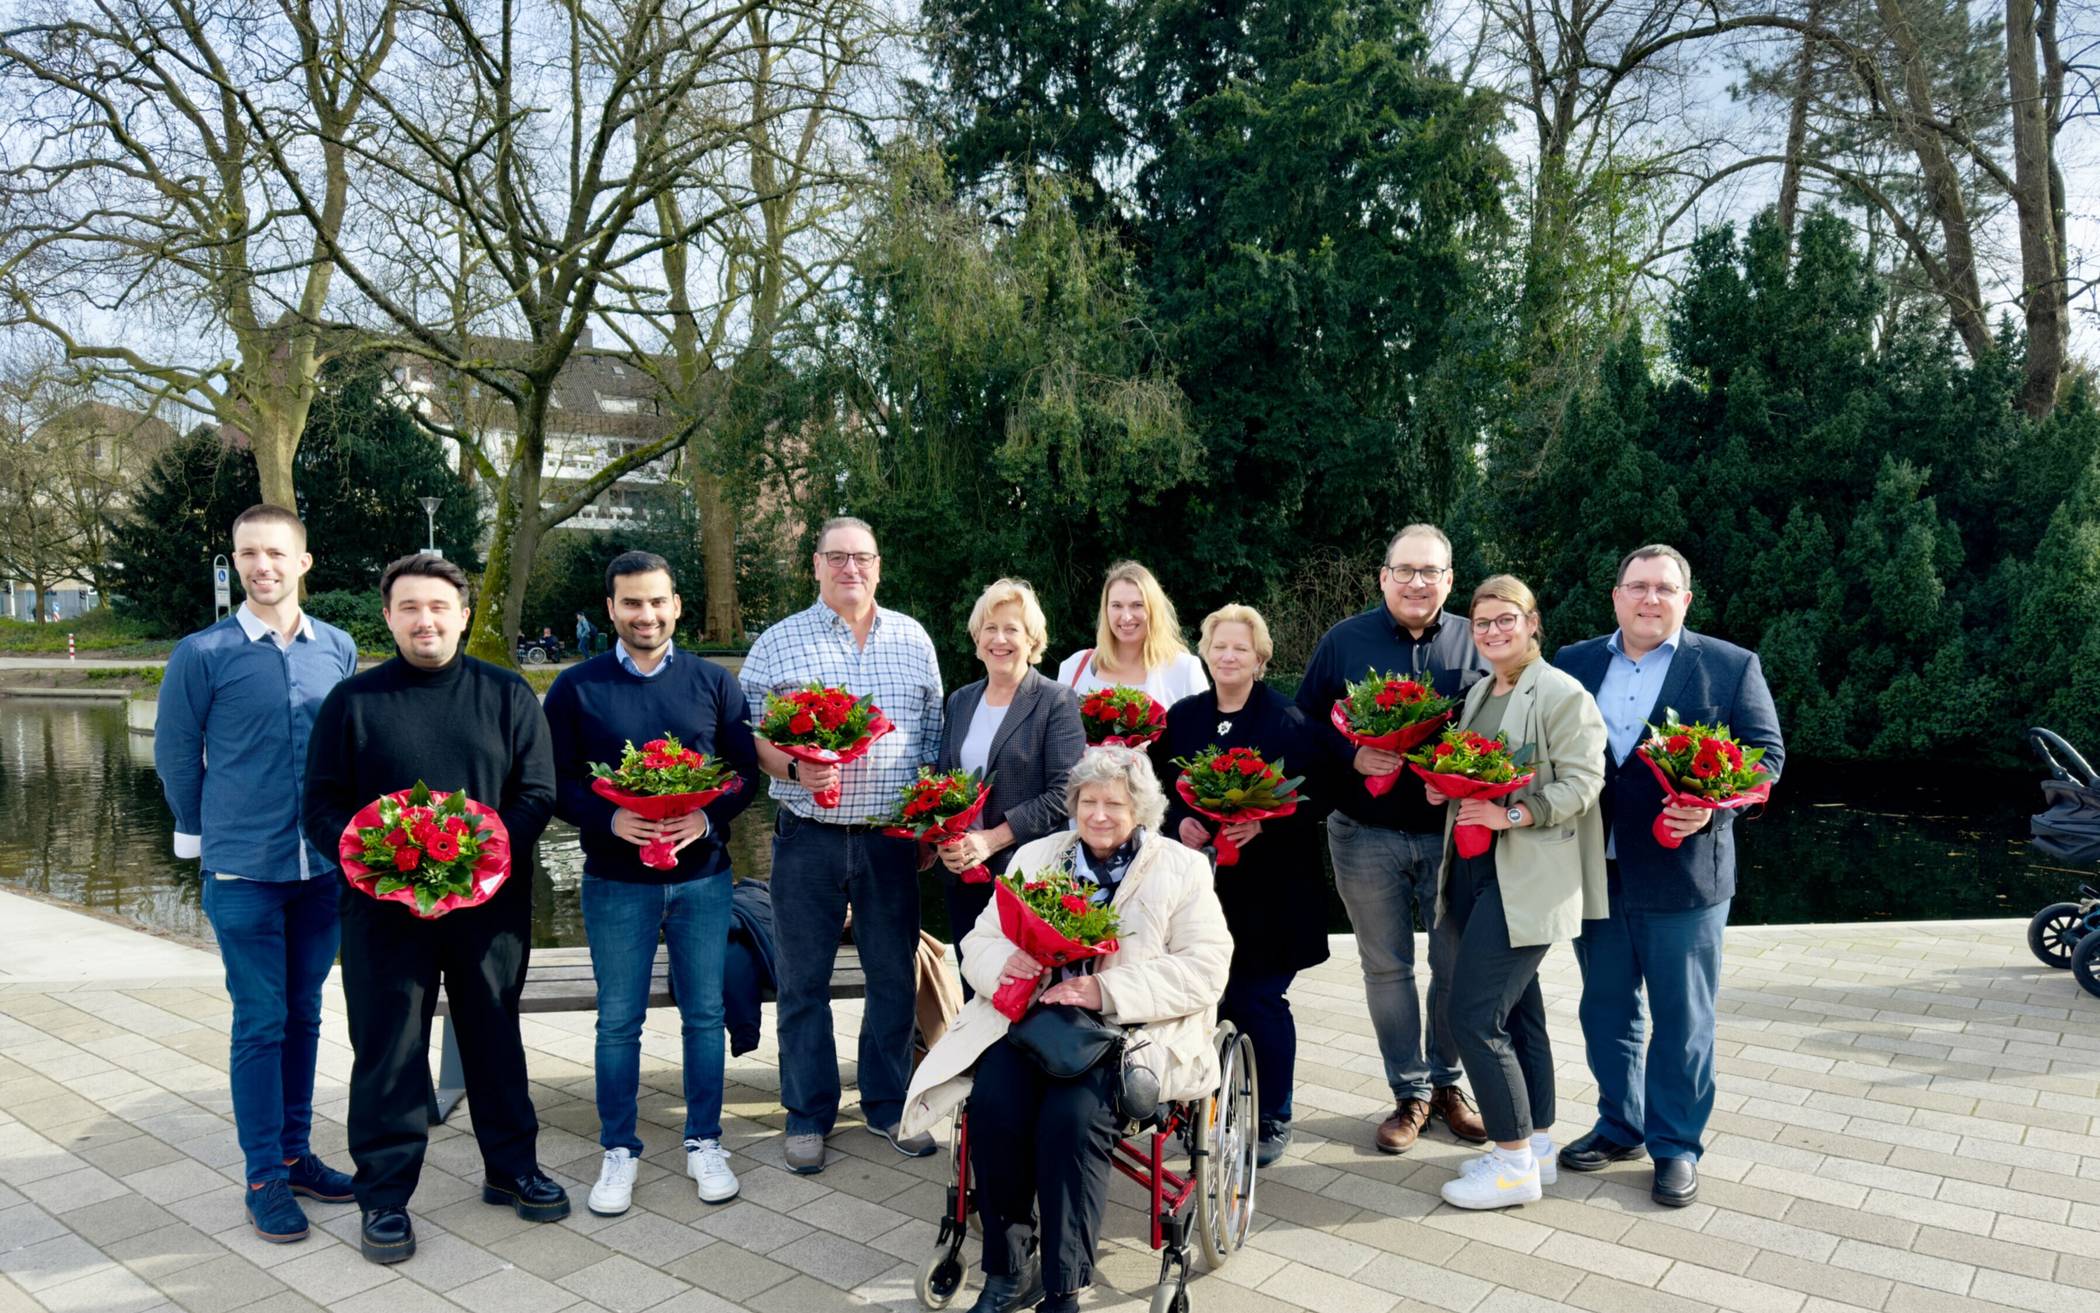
[1383,876]
[623,920]
[1497,1014]
[393,962]
[1040,1148]
[278,940]
[819,870]
[1257,1005]
[1663,1103]
[966,902]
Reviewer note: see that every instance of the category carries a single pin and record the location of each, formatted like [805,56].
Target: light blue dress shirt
[627,662]
[1627,695]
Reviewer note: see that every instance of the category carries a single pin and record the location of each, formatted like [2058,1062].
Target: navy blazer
[1033,752]
[1712,681]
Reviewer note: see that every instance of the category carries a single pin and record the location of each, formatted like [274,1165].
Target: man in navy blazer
[1668,906]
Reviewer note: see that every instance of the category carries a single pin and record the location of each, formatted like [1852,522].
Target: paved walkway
[1906,1124]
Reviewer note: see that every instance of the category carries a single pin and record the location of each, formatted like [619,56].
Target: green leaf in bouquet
[420,795]
[391,884]
[426,898]
[455,804]
[1235,795]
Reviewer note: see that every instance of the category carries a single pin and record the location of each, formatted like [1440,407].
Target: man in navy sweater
[1668,905]
[236,708]
[645,689]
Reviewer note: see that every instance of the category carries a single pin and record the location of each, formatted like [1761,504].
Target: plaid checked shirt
[897,669]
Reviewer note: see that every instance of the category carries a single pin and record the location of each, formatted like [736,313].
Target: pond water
[82,820]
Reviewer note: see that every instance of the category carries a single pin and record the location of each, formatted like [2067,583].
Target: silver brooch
[1224,727]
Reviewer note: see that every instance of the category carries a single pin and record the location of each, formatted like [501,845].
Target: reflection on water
[82,819]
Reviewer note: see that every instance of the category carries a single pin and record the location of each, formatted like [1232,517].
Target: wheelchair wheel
[941,1277]
[1170,1297]
[1230,1133]
[2054,933]
[2085,964]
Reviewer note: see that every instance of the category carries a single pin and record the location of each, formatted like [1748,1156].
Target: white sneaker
[1486,1183]
[707,1162]
[614,1192]
[1549,1165]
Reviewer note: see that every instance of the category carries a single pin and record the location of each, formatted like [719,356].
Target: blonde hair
[1234,613]
[1508,588]
[1013,592]
[1162,630]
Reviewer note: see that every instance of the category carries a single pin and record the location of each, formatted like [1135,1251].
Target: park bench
[560,980]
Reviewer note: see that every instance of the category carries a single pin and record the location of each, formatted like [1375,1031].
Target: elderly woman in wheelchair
[1040,1147]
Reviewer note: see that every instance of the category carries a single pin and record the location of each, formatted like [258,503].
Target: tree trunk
[500,612]
[1797,129]
[722,621]
[2042,289]
[485,639]
[273,444]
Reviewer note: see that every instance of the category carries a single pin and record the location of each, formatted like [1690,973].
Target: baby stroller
[2068,831]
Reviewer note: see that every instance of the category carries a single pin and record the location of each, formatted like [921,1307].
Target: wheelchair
[1211,1203]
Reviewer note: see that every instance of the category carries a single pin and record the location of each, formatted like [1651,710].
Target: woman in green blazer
[1533,888]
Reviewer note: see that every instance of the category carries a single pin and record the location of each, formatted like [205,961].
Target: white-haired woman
[1039,1145]
[1022,729]
[1137,642]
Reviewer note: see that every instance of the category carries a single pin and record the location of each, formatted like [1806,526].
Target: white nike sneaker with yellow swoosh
[1486,1182]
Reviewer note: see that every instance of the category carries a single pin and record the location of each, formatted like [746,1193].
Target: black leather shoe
[1676,1182]
[1009,1294]
[536,1196]
[387,1236]
[1594,1153]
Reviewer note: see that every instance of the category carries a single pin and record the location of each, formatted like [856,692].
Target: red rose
[1733,753]
[1221,763]
[1444,749]
[424,832]
[1074,904]
[1133,715]
[1388,697]
[1034,886]
[407,859]
[1679,743]
[397,839]
[443,847]
[1410,691]
[655,745]
[830,717]
[694,759]
[803,723]
[1251,765]
[455,825]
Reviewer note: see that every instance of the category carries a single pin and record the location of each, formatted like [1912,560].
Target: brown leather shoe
[1397,1133]
[1450,1104]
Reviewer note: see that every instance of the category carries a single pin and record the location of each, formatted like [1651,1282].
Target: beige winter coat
[1167,974]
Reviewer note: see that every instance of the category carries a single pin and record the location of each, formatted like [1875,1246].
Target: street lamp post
[430,507]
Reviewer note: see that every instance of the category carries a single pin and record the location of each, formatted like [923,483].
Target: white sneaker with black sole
[707,1162]
[614,1193]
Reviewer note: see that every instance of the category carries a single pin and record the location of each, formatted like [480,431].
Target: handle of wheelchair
[2054,752]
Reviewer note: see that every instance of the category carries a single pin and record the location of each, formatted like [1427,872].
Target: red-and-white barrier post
[69,646]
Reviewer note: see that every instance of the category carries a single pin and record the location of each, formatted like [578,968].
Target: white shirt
[1167,684]
[976,750]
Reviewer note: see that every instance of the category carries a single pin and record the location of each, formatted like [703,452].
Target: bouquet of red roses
[1462,764]
[822,725]
[1392,712]
[1051,917]
[1702,766]
[1124,716]
[1235,785]
[936,808]
[433,852]
[661,781]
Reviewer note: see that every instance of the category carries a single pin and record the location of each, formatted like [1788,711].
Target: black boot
[536,1196]
[1016,1291]
[387,1235]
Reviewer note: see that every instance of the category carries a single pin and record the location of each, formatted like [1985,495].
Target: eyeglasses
[837,560]
[1660,592]
[1427,574]
[1505,623]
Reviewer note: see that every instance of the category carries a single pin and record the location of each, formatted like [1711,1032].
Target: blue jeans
[278,940]
[1383,876]
[623,920]
[818,871]
[1663,1103]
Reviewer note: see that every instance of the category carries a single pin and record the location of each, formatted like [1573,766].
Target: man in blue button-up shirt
[236,707]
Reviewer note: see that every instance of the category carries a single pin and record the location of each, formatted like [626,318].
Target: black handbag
[1068,1041]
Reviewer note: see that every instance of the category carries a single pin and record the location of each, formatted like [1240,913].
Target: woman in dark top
[1017,727]
[1274,898]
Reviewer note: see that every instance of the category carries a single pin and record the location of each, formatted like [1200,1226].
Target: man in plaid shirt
[825,859]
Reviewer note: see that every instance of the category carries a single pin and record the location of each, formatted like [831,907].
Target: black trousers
[393,962]
[1257,1003]
[966,902]
[1495,1012]
[1040,1147]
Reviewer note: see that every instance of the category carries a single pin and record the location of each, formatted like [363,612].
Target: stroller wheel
[2085,964]
[2054,933]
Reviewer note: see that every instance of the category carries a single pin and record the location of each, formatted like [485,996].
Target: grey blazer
[1032,753]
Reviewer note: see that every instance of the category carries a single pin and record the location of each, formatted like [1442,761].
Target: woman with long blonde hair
[1137,642]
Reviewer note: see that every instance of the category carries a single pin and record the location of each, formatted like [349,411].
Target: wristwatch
[1516,815]
[794,776]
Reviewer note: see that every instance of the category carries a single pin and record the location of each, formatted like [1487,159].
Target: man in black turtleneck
[436,715]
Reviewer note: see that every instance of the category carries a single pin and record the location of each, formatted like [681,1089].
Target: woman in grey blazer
[1019,728]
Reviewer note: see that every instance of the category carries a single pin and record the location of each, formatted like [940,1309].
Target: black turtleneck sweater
[467,725]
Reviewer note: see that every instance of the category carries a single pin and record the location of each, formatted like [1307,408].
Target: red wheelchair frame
[1220,1132]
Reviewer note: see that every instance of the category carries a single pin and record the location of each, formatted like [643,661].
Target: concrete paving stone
[118,1219]
[844,1215]
[111,1290]
[1849,1285]
[651,1239]
[155,1254]
[729,1271]
[1728,1291]
[1606,1259]
[550,1250]
[243,1241]
[1917,1299]
[327,1275]
[511,1290]
[622,1285]
[24,1225]
[1604,1295]
[1330,1251]
[75,1189]
[176,1181]
[749,1226]
[2028,1293]
[1529,1273]
[697,1301]
[1438,1287]
[133,1154]
[52,1262]
[802,1294]
[1308,1287]
[2029,1260]
[834,1260]
[1675,1242]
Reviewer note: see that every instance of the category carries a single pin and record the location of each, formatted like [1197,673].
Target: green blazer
[1551,871]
